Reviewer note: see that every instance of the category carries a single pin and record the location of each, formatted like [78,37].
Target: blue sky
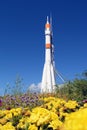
[22,42]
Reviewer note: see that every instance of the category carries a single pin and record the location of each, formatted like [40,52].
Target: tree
[18,87]
[76,89]
[85,74]
[81,88]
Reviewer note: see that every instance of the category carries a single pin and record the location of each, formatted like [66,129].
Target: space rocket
[48,83]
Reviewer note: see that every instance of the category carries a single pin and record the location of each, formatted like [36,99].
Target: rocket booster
[48,77]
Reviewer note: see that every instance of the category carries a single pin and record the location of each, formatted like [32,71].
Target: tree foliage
[75,90]
[15,89]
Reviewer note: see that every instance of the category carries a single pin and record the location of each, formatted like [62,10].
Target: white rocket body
[48,78]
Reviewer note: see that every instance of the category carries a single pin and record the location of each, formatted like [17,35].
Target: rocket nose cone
[47,19]
[47,23]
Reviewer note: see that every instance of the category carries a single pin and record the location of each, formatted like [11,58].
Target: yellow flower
[85,105]
[71,104]
[8,126]
[6,112]
[53,116]
[1,127]
[21,125]
[43,120]
[16,111]
[55,124]
[54,110]
[2,113]
[32,127]
[23,122]
[76,120]
[3,121]
[52,103]
[8,116]
[48,99]
[38,114]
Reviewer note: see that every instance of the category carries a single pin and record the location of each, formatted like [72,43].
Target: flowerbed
[49,113]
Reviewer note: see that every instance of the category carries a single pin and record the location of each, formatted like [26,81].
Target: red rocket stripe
[48,45]
[47,25]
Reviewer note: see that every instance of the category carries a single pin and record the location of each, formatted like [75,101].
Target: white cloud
[35,88]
